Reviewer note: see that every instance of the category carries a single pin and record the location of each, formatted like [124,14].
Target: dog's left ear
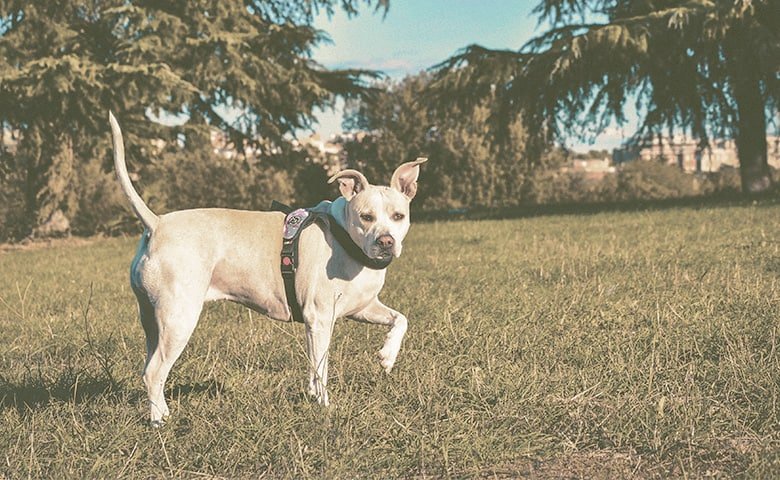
[351,182]
[405,177]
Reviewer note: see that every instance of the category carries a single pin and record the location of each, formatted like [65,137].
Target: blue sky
[415,35]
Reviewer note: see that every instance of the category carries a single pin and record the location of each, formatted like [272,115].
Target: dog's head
[377,217]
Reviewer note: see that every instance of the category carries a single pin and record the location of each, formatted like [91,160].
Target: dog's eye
[398,216]
[367,217]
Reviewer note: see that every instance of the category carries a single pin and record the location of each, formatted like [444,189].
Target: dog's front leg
[319,330]
[378,313]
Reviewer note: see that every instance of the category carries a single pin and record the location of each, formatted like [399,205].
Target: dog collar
[342,236]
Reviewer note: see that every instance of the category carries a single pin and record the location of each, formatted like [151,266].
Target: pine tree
[710,67]
[64,64]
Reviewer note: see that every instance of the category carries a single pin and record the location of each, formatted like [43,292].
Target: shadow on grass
[207,388]
[298,397]
[721,200]
[34,394]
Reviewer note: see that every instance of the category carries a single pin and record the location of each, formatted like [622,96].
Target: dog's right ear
[405,177]
[351,182]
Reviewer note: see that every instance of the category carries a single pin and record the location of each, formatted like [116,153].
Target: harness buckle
[287,257]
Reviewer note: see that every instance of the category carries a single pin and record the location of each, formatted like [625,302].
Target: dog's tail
[147,217]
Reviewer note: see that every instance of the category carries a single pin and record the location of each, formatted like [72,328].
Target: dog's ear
[405,177]
[351,182]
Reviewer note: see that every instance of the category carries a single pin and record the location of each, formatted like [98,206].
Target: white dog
[188,257]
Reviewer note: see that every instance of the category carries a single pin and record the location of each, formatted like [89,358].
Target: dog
[189,257]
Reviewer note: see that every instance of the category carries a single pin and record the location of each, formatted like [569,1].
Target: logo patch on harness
[293,222]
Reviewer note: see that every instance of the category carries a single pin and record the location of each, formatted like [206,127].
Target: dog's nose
[385,241]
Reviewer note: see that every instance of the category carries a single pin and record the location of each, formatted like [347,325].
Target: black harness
[294,223]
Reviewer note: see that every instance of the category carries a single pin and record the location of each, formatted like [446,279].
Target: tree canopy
[709,67]
[64,64]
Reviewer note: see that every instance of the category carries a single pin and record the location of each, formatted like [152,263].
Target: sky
[417,34]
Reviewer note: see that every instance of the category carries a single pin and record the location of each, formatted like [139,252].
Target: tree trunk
[751,120]
[751,139]
[49,182]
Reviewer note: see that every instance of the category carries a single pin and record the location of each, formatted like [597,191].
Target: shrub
[653,180]
[206,180]
[638,180]
[101,206]
[177,180]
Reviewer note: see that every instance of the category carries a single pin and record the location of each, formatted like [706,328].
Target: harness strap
[294,223]
[289,257]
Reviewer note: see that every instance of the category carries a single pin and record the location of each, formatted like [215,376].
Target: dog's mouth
[382,254]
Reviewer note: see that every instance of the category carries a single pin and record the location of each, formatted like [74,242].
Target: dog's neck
[336,209]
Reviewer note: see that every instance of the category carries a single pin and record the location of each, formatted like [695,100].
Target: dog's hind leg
[148,322]
[376,312]
[175,322]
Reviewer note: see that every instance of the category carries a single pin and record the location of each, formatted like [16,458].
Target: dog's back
[218,254]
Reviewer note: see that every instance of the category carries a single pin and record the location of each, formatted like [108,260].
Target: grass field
[608,345]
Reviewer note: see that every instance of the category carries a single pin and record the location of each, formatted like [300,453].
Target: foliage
[633,182]
[653,181]
[706,66]
[467,165]
[592,154]
[612,345]
[101,204]
[64,64]
[178,177]
[208,180]
[473,167]
[178,180]
[13,221]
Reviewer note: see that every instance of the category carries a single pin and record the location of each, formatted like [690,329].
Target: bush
[639,180]
[725,180]
[101,205]
[553,186]
[206,180]
[653,180]
[199,180]
[177,180]
[453,179]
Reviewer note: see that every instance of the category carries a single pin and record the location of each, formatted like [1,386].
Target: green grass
[605,345]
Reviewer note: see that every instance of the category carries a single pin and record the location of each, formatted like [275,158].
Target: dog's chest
[352,296]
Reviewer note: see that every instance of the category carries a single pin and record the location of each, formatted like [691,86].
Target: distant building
[331,152]
[592,166]
[686,153]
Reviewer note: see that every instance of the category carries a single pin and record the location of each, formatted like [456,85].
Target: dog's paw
[319,394]
[386,359]
[159,415]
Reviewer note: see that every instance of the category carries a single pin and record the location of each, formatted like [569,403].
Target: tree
[64,64]
[467,166]
[711,67]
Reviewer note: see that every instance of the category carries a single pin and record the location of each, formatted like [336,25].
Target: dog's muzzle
[384,246]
